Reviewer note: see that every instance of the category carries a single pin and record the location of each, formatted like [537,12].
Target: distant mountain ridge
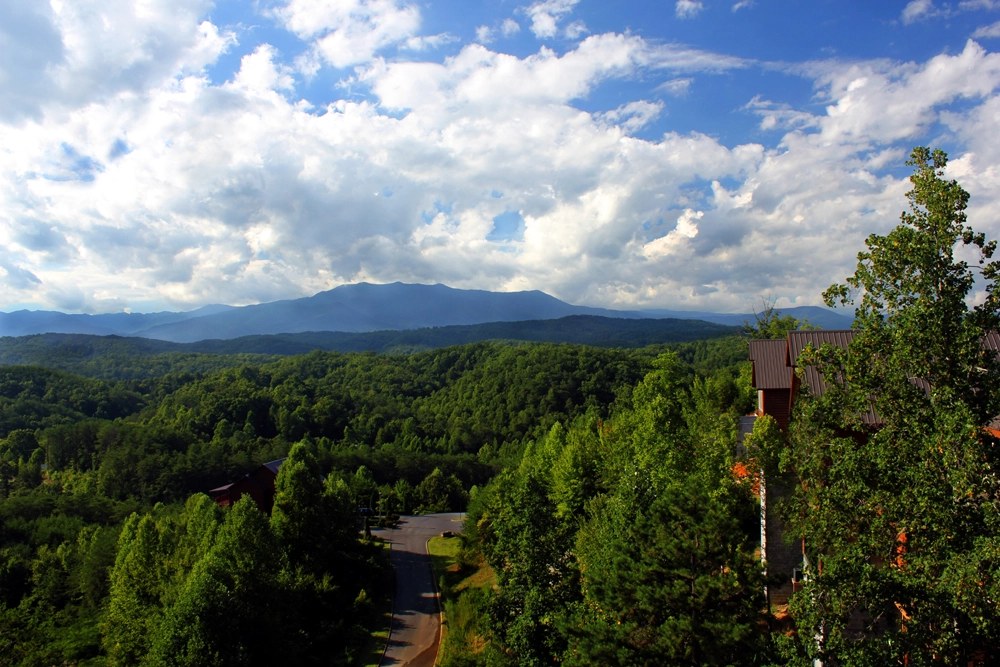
[76,352]
[356,308]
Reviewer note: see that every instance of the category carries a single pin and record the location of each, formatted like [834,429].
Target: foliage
[627,541]
[771,324]
[118,358]
[901,514]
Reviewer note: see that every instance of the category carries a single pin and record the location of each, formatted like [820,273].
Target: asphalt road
[416,617]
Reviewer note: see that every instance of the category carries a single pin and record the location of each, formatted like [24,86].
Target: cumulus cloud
[508,28]
[169,189]
[484,34]
[348,32]
[632,116]
[686,9]
[546,15]
[72,54]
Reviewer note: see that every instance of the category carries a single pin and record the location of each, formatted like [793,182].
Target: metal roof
[800,340]
[991,341]
[769,368]
[274,465]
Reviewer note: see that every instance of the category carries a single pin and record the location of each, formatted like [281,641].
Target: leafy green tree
[900,517]
[441,493]
[770,323]
[228,609]
[678,585]
[19,444]
[298,518]
[137,584]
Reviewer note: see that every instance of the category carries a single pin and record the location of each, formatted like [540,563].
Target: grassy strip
[444,561]
[464,587]
[380,635]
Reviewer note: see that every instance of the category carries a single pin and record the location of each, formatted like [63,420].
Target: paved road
[416,620]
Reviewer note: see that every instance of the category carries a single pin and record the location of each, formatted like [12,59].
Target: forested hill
[421,432]
[115,357]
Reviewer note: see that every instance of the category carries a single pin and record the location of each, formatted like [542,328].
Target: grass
[444,560]
[463,587]
[380,634]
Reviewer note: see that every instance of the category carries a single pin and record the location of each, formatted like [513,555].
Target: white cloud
[484,34]
[972,5]
[72,54]
[676,87]
[260,74]
[686,228]
[169,190]
[917,9]
[686,9]
[546,14]
[510,27]
[632,116]
[742,4]
[987,31]
[575,30]
[429,42]
[348,32]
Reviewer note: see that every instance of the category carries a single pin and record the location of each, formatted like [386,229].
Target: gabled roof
[274,465]
[770,370]
[270,466]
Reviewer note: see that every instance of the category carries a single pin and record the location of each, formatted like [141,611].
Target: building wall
[777,403]
[781,558]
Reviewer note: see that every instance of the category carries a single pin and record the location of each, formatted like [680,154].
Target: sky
[684,154]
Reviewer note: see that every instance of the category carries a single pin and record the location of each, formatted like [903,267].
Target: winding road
[416,617]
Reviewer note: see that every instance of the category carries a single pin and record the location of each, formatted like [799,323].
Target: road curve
[416,619]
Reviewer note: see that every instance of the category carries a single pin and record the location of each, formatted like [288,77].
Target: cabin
[258,484]
[774,378]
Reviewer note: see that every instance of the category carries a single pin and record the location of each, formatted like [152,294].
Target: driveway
[416,618]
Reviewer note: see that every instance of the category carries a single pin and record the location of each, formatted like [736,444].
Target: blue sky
[678,154]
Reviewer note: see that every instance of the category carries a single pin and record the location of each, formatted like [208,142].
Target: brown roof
[991,341]
[769,368]
[799,340]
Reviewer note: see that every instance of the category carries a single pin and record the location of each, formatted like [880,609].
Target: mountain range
[359,307]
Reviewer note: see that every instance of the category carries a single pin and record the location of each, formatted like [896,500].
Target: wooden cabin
[774,378]
[258,484]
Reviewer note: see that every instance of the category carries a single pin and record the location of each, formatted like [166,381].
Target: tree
[770,323]
[683,588]
[901,517]
[137,584]
[228,610]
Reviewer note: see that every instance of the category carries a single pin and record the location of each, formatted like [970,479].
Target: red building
[774,378]
[258,484]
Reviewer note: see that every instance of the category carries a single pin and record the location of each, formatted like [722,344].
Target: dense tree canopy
[901,512]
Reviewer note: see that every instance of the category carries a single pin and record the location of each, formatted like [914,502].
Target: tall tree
[228,610]
[901,517]
[683,588]
[137,584]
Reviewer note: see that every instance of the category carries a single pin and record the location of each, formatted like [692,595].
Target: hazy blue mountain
[365,307]
[28,322]
[822,317]
[357,308]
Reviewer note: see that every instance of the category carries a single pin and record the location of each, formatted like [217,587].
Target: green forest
[609,520]
[108,543]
